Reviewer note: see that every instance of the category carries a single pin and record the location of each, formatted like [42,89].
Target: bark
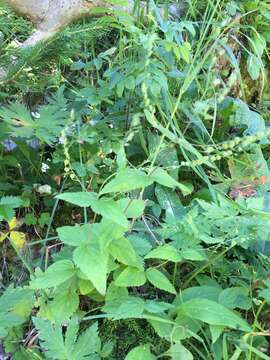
[49,16]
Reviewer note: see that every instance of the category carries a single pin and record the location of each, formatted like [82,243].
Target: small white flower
[44,167]
[216,82]
[44,189]
[35,114]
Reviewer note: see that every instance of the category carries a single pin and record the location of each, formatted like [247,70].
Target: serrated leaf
[159,280]
[88,343]
[178,351]
[55,275]
[130,277]
[127,180]
[64,304]
[133,208]
[110,210]
[51,338]
[74,235]
[141,352]
[122,250]
[83,199]
[165,252]
[235,297]
[93,263]
[212,313]
[161,176]
[193,254]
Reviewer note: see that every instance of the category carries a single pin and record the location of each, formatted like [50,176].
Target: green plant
[145,200]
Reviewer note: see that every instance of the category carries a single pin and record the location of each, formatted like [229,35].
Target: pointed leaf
[159,280]
[93,263]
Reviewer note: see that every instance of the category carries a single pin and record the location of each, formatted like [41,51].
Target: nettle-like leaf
[165,252]
[56,274]
[212,313]
[7,206]
[94,264]
[15,307]
[108,208]
[71,346]
[159,280]
[141,352]
[130,277]
[127,180]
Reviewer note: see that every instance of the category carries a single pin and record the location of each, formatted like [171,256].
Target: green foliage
[137,168]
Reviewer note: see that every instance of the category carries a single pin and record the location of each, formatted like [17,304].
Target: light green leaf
[159,280]
[254,67]
[193,254]
[265,293]
[212,313]
[216,331]
[110,210]
[122,250]
[141,352]
[130,277]
[73,235]
[235,297]
[179,352]
[83,199]
[55,275]
[127,180]
[133,208]
[64,305]
[165,252]
[3,332]
[93,263]
[161,176]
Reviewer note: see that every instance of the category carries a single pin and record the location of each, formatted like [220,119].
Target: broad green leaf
[212,313]
[127,180]
[194,254]
[83,199]
[64,305]
[161,176]
[73,235]
[216,331]
[156,307]
[169,201]
[235,297]
[3,332]
[122,250]
[110,210]
[85,286]
[254,66]
[165,252]
[93,263]
[141,352]
[141,245]
[159,280]
[202,292]
[130,277]
[133,208]
[265,293]
[55,275]
[124,307]
[179,352]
